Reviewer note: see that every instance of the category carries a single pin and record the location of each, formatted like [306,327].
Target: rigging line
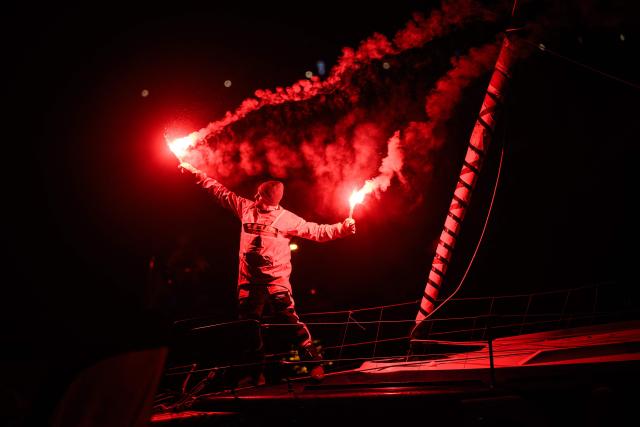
[578,316]
[543,48]
[318,313]
[439,319]
[539,322]
[373,322]
[355,310]
[513,9]
[362,343]
[554,291]
[413,302]
[531,323]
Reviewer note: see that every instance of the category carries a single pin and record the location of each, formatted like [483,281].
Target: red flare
[358,195]
[180,146]
[391,165]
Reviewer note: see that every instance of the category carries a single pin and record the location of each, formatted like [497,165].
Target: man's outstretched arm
[225,197]
[322,232]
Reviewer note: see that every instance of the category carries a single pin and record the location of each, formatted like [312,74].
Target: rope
[556,315]
[511,325]
[413,302]
[361,309]
[543,48]
[555,291]
[318,313]
[365,322]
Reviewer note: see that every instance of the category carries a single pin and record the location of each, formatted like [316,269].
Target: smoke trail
[418,31]
[332,134]
[426,136]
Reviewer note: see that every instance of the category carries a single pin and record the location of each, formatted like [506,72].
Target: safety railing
[349,337]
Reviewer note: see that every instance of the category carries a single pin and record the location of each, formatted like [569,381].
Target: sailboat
[555,357]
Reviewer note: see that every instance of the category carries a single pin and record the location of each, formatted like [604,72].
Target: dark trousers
[253,303]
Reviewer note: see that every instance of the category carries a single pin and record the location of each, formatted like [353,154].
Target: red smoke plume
[418,31]
[331,134]
[391,166]
[445,95]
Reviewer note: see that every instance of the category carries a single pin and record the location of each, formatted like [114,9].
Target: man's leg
[284,308]
[251,301]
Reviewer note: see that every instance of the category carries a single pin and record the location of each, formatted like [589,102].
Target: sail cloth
[471,166]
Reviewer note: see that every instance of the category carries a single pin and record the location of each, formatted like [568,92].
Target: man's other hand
[349,224]
[189,167]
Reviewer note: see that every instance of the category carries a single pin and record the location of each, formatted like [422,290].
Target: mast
[471,166]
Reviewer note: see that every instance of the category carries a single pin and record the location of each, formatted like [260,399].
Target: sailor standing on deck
[265,255]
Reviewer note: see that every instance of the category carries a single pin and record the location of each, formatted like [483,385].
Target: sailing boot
[316,370]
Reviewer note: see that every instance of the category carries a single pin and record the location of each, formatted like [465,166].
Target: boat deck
[567,366]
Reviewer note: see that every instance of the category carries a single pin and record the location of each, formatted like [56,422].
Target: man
[265,256]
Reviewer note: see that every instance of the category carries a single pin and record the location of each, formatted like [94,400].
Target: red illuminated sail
[476,151]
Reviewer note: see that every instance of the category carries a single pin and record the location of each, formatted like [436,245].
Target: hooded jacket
[265,256]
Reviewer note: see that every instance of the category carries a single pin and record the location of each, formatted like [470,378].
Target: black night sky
[91,193]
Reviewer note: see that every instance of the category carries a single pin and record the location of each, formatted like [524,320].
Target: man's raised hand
[189,167]
[350,225]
